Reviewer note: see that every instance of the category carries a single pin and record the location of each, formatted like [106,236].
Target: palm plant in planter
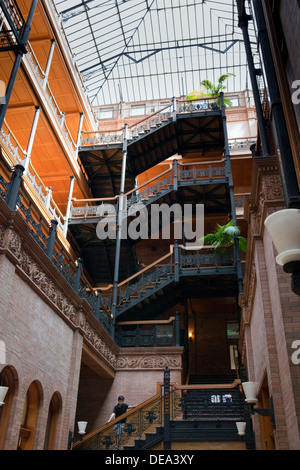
[212,90]
[223,237]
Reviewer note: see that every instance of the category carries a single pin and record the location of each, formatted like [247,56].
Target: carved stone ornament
[11,241]
[149,361]
[272,187]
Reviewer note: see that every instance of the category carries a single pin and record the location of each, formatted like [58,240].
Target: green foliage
[212,90]
[224,235]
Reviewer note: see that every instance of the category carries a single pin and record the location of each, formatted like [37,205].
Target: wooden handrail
[158,395]
[207,386]
[146,322]
[112,198]
[150,116]
[202,163]
[156,263]
[147,267]
[128,413]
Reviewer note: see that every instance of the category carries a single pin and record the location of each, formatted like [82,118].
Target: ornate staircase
[180,262]
[163,418]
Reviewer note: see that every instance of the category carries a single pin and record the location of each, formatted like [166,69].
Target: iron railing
[152,121]
[166,407]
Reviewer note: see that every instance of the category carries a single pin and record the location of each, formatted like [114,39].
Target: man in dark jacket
[120,409]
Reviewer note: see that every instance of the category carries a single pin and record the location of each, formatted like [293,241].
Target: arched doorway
[7,379]
[29,418]
[53,416]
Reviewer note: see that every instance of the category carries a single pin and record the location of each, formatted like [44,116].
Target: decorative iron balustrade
[15,14]
[10,142]
[181,261]
[153,121]
[197,172]
[148,334]
[206,257]
[218,403]
[45,237]
[170,405]
[59,115]
[192,106]
[149,278]
[138,421]
[150,191]
[18,156]
[241,144]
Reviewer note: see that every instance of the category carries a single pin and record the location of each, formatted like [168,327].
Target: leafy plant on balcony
[210,90]
[223,236]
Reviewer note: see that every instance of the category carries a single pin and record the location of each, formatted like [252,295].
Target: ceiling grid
[136,50]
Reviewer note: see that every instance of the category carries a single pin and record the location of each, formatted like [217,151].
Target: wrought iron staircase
[179,128]
[181,261]
[163,418]
[208,173]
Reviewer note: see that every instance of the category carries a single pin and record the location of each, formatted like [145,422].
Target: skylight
[136,50]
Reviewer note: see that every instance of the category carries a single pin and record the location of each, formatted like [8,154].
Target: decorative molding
[151,359]
[36,269]
[266,196]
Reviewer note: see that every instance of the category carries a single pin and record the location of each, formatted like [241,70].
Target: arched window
[29,418]
[53,416]
[7,379]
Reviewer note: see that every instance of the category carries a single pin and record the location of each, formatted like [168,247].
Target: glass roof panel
[136,50]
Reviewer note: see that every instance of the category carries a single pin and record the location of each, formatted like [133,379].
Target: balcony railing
[152,121]
[59,115]
[215,403]
[45,236]
[180,261]
[151,190]
[160,333]
[44,195]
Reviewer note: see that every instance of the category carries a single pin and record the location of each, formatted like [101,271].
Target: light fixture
[250,391]
[190,336]
[241,427]
[3,392]
[284,229]
[81,431]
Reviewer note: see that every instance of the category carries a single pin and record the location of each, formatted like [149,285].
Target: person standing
[120,409]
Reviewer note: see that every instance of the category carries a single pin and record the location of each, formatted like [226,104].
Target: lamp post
[81,432]
[284,229]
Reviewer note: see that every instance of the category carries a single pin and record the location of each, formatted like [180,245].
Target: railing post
[175,175]
[48,65]
[72,179]
[119,227]
[14,186]
[51,238]
[176,261]
[19,55]
[177,329]
[79,133]
[166,441]
[174,109]
[31,138]
[98,305]
[48,197]
[78,275]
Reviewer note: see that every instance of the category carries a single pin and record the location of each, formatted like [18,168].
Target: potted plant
[223,237]
[211,90]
